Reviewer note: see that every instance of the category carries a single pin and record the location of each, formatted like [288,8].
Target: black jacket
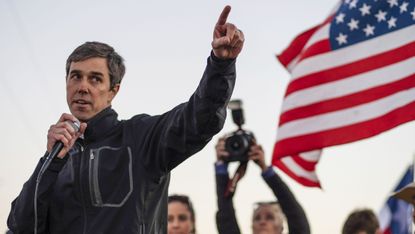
[115,179]
[226,219]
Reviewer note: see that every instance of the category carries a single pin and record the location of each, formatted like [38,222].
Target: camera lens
[237,145]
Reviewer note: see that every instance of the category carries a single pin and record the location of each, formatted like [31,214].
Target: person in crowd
[361,221]
[112,176]
[268,217]
[181,215]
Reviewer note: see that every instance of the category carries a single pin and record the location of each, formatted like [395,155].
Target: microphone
[56,149]
[59,145]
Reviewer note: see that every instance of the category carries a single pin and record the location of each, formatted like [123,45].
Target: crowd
[268,217]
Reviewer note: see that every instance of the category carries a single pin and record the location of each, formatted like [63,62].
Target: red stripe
[296,46]
[347,101]
[351,69]
[306,165]
[302,180]
[342,135]
[317,48]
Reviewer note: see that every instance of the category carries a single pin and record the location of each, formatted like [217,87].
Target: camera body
[238,143]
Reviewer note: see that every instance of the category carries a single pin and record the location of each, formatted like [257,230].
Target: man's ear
[114,92]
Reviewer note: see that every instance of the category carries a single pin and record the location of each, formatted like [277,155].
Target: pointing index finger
[224,15]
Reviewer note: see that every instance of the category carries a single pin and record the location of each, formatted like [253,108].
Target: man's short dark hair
[95,49]
[361,220]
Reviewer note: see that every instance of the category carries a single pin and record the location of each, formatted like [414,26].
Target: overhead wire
[8,89]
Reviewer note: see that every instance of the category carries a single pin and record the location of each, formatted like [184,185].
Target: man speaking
[112,176]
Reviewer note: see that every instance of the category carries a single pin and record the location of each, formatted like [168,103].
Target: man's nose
[83,86]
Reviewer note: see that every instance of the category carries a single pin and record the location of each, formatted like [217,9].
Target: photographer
[267,217]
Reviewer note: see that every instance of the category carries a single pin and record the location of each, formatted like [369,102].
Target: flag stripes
[336,96]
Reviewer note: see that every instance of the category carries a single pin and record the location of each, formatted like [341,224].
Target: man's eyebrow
[91,73]
[75,71]
[97,73]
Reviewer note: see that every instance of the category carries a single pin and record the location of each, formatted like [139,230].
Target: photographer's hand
[256,154]
[221,152]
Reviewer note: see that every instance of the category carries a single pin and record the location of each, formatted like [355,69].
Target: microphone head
[75,125]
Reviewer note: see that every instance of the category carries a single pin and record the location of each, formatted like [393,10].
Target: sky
[165,45]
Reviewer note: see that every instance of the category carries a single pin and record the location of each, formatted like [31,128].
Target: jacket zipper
[93,179]
[82,192]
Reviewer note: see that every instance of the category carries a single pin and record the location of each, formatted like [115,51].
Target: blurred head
[268,218]
[362,221]
[93,75]
[181,216]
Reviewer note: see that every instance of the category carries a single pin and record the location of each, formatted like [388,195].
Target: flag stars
[392,3]
[353,4]
[365,9]
[381,16]
[340,18]
[353,24]
[404,7]
[413,14]
[392,22]
[369,19]
[341,39]
[369,30]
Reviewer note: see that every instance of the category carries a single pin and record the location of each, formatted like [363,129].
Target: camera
[238,143]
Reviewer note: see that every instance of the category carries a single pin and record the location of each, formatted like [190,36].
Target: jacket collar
[101,125]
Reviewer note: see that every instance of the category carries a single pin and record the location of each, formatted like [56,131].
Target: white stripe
[292,64]
[351,85]
[355,52]
[319,35]
[311,156]
[298,170]
[346,117]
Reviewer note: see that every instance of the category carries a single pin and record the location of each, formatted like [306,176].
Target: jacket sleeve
[296,217]
[21,217]
[226,222]
[181,132]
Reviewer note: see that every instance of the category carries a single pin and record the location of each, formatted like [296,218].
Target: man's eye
[96,79]
[75,76]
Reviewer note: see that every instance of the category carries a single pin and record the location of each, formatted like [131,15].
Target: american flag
[352,78]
